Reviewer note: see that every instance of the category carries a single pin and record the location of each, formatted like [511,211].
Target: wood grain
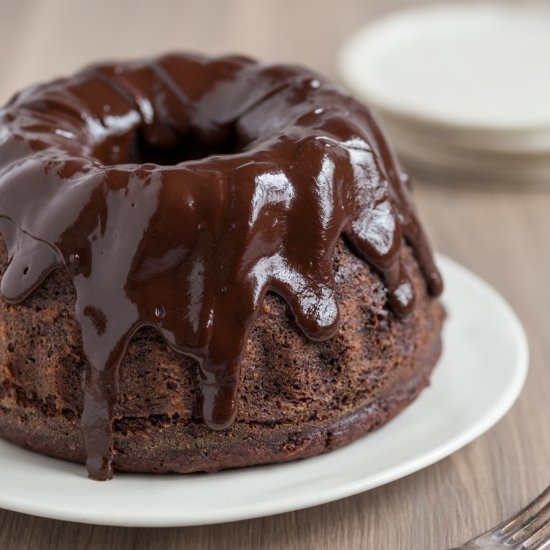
[500,233]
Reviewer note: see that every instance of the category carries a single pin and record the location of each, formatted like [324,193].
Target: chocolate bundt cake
[206,264]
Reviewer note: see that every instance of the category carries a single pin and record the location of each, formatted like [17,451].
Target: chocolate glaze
[177,192]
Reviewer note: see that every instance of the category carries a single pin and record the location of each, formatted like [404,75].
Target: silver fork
[529,529]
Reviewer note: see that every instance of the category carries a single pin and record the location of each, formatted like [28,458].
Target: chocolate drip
[268,166]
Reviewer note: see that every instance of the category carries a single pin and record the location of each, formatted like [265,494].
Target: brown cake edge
[277,444]
[298,398]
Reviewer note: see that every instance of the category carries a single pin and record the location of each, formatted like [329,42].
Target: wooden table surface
[502,234]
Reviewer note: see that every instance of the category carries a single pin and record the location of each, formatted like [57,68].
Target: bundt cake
[206,263]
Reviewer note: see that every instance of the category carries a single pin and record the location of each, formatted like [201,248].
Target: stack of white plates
[462,90]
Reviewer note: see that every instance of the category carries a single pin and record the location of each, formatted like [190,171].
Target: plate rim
[326,494]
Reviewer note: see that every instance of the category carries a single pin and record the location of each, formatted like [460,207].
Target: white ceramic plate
[465,65]
[480,375]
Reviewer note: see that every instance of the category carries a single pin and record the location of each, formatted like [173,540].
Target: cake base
[297,398]
[264,444]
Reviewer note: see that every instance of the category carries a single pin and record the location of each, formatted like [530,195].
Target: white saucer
[480,65]
[479,377]
[462,89]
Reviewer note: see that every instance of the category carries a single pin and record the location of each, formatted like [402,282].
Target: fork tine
[524,517]
[536,522]
[538,538]
[529,529]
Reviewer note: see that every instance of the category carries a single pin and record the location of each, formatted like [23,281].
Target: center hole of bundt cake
[185,148]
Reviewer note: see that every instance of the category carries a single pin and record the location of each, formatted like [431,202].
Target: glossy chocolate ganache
[177,192]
